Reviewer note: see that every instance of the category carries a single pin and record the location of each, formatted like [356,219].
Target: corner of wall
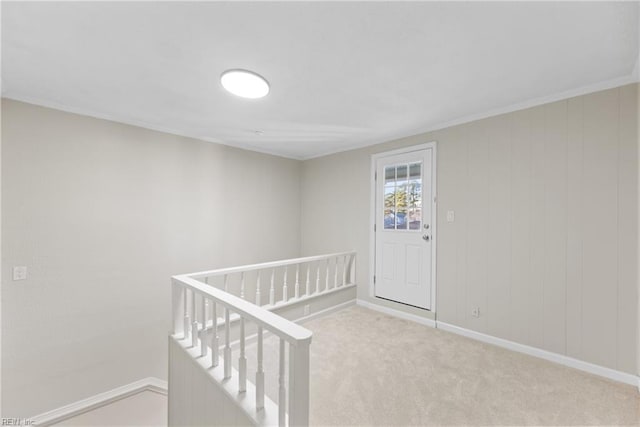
[0,250]
[300,164]
[638,228]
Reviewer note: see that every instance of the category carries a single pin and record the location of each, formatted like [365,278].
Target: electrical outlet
[306,310]
[19,272]
[475,312]
[451,216]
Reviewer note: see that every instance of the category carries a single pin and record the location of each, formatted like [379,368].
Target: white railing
[197,321]
[278,283]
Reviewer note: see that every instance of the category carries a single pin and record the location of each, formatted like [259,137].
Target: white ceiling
[342,75]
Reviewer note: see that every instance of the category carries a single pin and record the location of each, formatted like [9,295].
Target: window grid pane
[403,197]
[389,197]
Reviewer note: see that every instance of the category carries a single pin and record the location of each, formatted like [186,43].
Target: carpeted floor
[368,368]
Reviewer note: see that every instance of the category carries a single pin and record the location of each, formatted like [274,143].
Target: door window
[403,197]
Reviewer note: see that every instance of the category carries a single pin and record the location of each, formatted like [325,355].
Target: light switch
[451,216]
[19,272]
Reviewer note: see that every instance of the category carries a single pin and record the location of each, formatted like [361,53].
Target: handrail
[285,329]
[264,265]
[195,304]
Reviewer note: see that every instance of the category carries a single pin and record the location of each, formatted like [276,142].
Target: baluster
[282,395]
[326,276]
[284,287]
[227,347]
[226,283]
[203,334]
[258,302]
[242,285]
[353,268]
[335,275]
[317,277]
[187,320]
[242,361]
[297,283]
[344,271]
[307,284]
[272,290]
[214,335]
[194,325]
[260,374]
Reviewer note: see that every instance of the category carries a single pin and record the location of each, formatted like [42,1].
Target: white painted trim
[245,400]
[251,339]
[434,226]
[561,359]
[584,90]
[403,150]
[157,385]
[57,415]
[397,313]
[267,265]
[327,311]
[534,102]
[433,145]
[372,224]
[285,329]
[279,305]
[140,124]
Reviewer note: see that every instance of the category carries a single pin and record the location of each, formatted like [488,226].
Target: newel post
[299,383]
[178,298]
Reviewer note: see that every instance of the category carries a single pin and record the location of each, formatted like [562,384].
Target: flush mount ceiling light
[244,83]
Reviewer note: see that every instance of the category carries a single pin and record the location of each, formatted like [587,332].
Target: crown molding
[534,102]
[137,123]
[634,77]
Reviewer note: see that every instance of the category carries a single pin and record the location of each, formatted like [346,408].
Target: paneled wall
[544,240]
[197,397]
[102,214]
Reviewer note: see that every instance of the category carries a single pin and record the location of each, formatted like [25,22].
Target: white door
[404,227]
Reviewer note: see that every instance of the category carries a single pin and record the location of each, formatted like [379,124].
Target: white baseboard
[397,313]
[153,384]
[561,359]
[251,339]
[291,302]
[326,311]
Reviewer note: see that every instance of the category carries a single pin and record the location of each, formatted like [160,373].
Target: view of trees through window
[403,197]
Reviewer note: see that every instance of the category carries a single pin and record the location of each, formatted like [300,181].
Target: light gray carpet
[368,368]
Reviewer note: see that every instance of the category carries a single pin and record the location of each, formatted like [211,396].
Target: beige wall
[1,280]
[545,236]
[102,214]
[544,242]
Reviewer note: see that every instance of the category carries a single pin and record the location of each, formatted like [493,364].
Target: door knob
[425,237]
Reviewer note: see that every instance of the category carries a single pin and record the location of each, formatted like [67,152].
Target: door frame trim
[434,215]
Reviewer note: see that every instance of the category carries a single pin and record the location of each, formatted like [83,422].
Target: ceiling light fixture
[245,84]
